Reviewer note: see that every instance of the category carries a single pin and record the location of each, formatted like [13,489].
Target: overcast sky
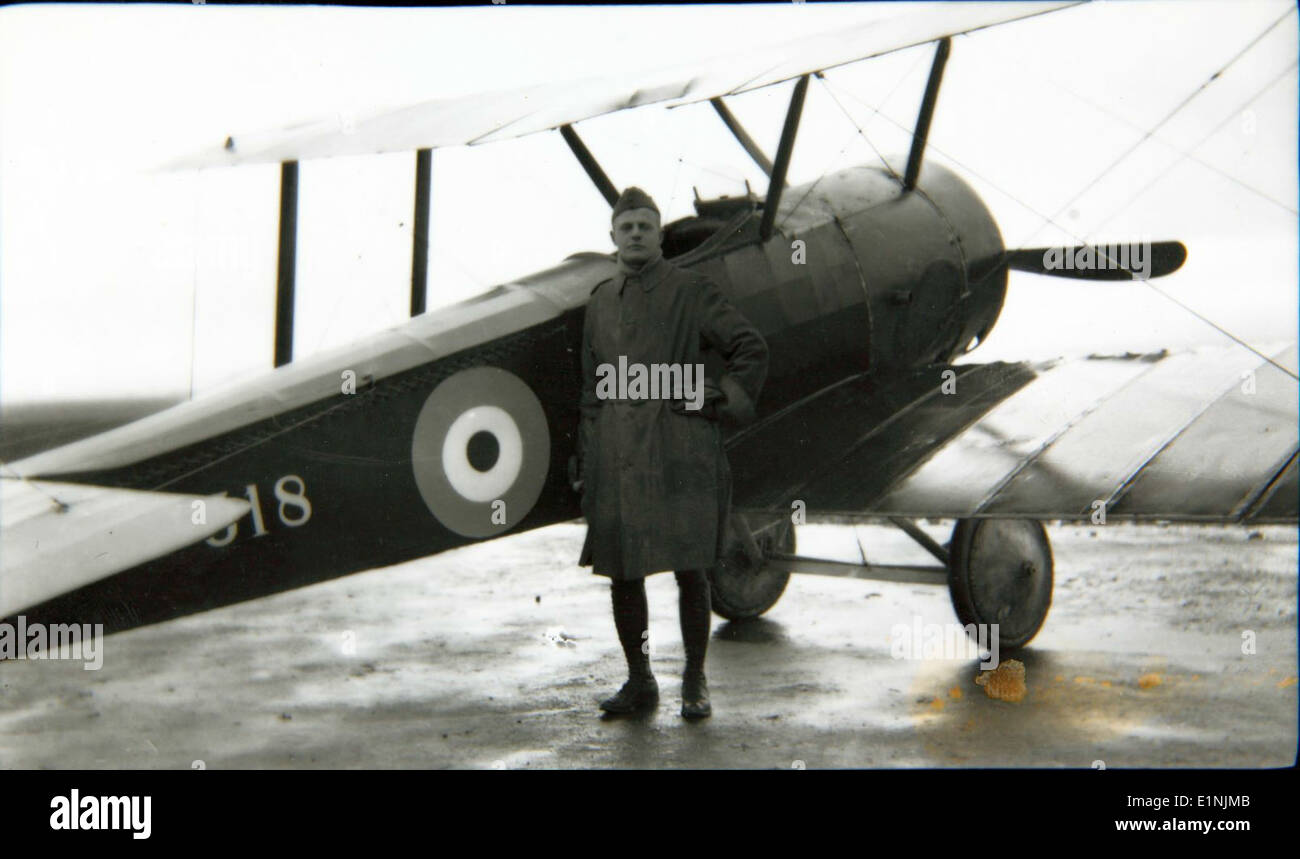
[119,279]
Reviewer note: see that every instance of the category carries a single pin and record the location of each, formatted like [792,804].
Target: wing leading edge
[1204,436]
[57,537]
[488,117]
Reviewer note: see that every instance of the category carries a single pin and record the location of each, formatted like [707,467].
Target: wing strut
[783,151]
[287,262]
[927,113]
[588,162]
[420,226]
[738,130]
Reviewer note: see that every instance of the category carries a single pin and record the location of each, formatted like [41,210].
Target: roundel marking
[481,438]
[472,482]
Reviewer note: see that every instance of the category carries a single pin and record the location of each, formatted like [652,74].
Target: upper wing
[1203,436]
[57,537]
[502,115]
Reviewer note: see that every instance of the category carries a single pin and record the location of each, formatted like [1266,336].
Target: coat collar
[651,273]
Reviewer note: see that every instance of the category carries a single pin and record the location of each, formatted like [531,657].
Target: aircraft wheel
[739,589]
[1000,571]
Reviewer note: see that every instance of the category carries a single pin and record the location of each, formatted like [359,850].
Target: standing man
[652,470]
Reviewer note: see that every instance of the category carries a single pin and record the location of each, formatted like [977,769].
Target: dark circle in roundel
[483,450]
[480,451]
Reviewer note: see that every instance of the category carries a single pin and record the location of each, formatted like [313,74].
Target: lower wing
[1202,436]
[57,537]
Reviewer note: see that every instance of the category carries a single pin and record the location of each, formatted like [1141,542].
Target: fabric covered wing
[56,537]
[1203,436]
[483,118]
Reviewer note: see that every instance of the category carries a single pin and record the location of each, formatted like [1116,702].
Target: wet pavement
[494,656]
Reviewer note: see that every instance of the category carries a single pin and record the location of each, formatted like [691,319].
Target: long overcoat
[656,485]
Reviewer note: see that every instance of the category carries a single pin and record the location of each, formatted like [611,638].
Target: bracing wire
[1053,219]
[1123,156]
[57,503]
[874,112]
[1189,152]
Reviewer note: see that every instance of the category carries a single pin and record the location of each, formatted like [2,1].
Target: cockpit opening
[686,234]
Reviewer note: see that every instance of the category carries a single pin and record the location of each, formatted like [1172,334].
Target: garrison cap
[632,198]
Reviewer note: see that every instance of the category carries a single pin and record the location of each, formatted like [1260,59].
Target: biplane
[871,286]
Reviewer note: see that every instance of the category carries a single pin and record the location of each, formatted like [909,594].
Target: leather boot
[695,696]
[638,693]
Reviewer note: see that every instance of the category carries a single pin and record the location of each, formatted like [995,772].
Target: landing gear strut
[998,571]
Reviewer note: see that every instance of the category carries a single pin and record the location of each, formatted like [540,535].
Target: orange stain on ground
[1148,681]
[1006,682]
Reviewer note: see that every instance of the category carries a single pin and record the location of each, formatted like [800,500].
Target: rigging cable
[1052,219]
[1100,108]
[821,76]
[62,507]
[1149,132]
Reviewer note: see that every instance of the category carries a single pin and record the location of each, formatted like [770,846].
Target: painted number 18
[293,509]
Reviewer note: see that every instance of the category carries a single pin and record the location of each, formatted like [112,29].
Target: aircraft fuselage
[857,277]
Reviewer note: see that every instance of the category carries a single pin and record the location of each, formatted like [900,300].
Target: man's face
[637,236]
